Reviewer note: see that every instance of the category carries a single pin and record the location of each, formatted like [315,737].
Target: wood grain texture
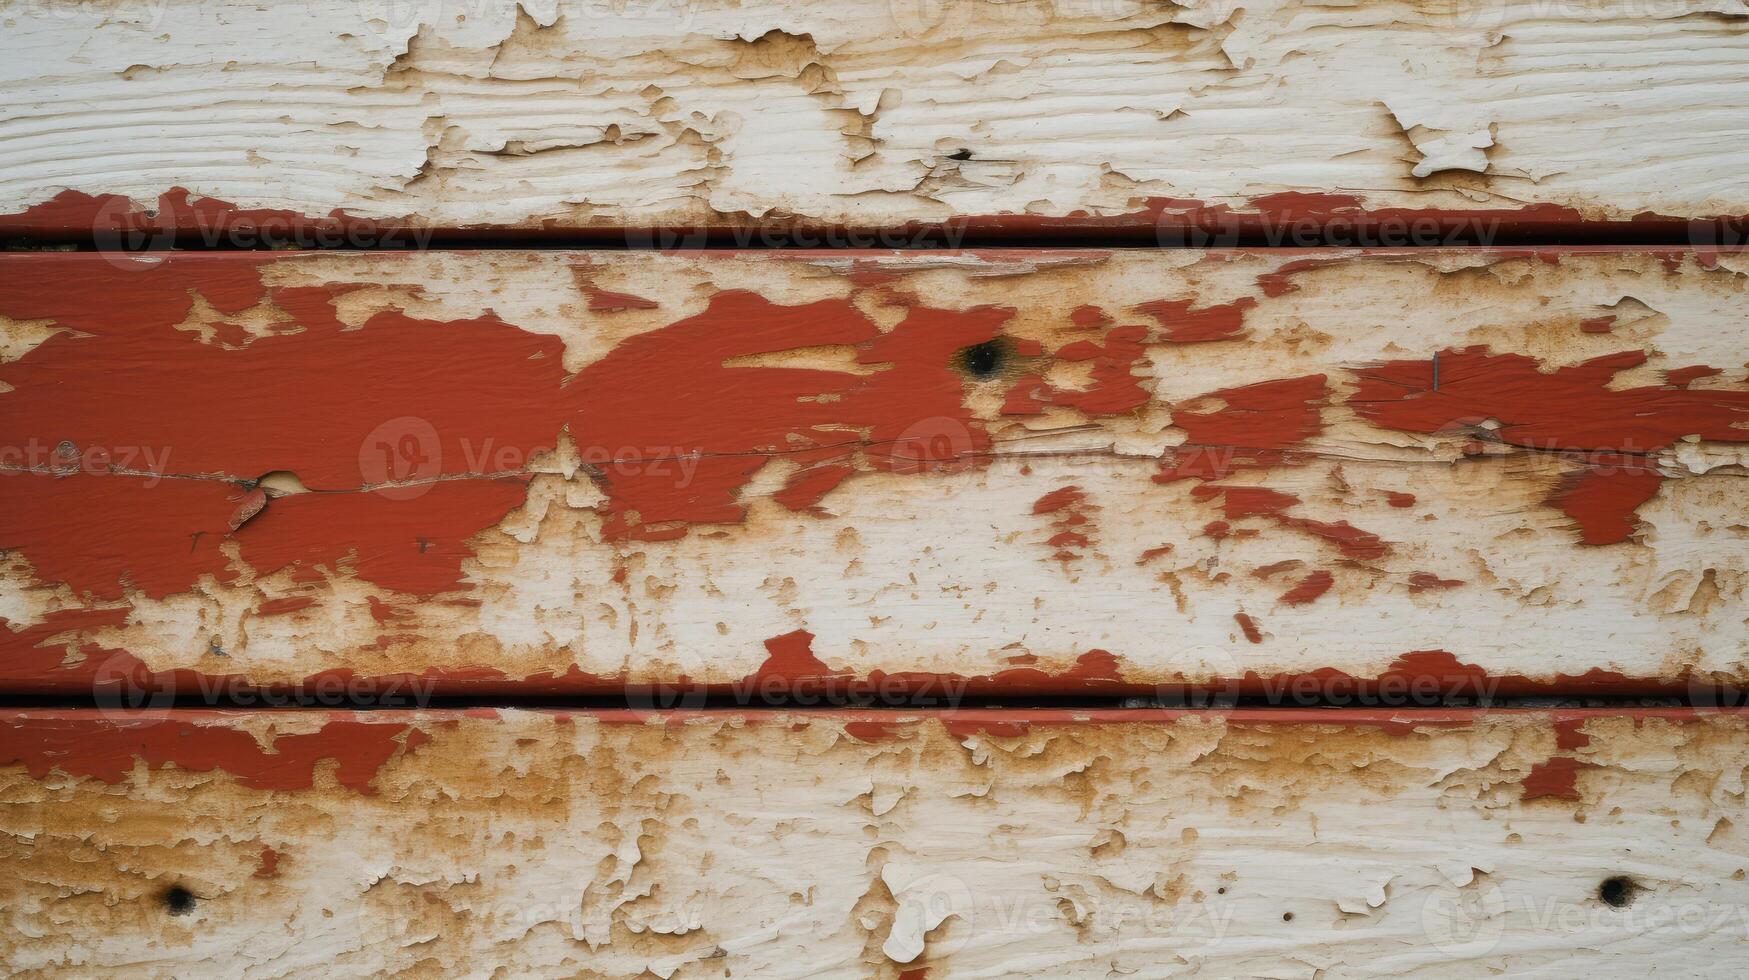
[1288,844]
[865,113]
[1494,471]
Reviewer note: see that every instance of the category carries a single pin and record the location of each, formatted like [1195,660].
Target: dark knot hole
[1617,892]
[982,360]
[178,900]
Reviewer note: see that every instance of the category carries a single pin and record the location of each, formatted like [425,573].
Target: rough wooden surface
[1017,470]
[460,113]
[976,844]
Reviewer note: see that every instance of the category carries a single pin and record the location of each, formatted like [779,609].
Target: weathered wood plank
[1284,844]
[867,113]
[1489,471]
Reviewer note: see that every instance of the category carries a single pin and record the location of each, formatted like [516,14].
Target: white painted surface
[476,112]
[785,847]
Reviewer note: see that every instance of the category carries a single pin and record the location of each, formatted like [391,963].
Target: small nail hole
[178,900]
[1617,892]
[1287,917]
[982,360]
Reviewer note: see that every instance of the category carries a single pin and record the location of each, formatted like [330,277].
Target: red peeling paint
[105,535]
[906,415]
[1683,377]
[1396,499]
[1603,504]
[108,752]
[875,731]
[162,431]
[1089,317]
[1570,734]
[1250,428]
[1571,408]
[791,658]
[1279,282]
[1068,509]
[52,658]
[1058,499]
[267,865]
[1239,503]
[1567,410]
[115,221]
[415,546]
[1422,581]
[287,604]
[604,301]
[1308,589]
[1183,325]
[403,406]
[964,728]
[1248,626]
[396,399]
[1597,324]
[1557,779]
[1351,541]
[1026,396]
[1114,388]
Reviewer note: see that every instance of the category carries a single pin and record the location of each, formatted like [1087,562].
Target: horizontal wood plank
[1286,844]
[1490,471]
[344,118]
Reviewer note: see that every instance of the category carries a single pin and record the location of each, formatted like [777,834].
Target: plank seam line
[1704,234]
